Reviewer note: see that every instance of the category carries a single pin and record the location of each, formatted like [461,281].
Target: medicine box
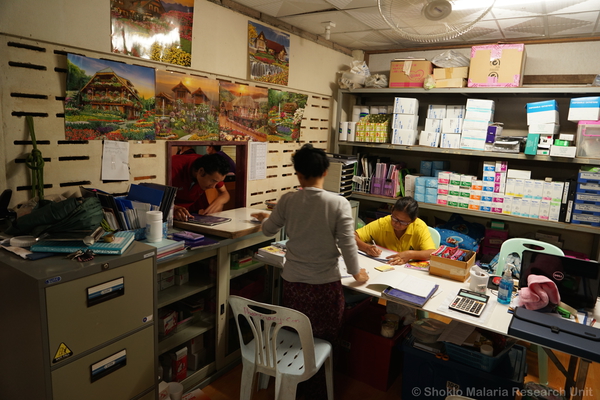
[452,125]
[542,112]
[563,151]
[404,136]
[453,111]
[405,121]
[499,65]
[429,138]
[531,145]
[584,109]
[433,125]
[450,140]
[544,128]
[179,364]
[436,111]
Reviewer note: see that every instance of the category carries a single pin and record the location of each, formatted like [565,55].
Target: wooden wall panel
[33,81]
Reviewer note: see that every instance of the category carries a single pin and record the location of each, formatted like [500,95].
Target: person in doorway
[317,222]
[192,175]
[216,149]
[402,231]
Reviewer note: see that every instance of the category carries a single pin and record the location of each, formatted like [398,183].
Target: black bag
[73,214]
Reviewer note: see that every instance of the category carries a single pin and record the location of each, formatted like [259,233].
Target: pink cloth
[540,292]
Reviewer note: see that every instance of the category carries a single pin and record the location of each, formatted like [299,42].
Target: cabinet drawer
[119,371]
[87,312]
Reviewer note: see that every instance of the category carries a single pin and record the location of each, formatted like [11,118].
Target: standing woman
[317,223]
[402,231]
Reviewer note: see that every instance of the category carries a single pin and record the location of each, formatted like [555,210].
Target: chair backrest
[435,235]
[266,320]
[518,245]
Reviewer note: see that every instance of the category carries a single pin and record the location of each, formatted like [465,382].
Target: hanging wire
[35,162]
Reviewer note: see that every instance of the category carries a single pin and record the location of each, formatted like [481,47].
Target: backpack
[73,214]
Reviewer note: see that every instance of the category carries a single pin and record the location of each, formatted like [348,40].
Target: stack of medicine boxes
[542,119]
[430,136]
[586,208]
[479,115]
[493,185]
[405,120]
[426,186]
[452,127]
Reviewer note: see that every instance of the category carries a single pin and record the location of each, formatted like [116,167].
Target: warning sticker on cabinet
[62,353]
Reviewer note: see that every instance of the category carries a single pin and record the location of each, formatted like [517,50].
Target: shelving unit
[510,109]
[219,355]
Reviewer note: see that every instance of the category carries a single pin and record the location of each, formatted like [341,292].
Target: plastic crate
[475,359]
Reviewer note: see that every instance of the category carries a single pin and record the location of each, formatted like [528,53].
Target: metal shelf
[562,91]
[487,215]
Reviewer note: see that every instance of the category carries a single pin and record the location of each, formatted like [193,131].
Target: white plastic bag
[376,81]
[450,59]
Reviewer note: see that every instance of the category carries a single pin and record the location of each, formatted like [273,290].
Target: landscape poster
[268,54]
[243,112]
[286,110]
[159,30]
[187,107]
[108,100]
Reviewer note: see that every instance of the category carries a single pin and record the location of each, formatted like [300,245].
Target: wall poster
[108,100]
[286,110]
[268,54]
[187,107]
[159,30]
[243,112]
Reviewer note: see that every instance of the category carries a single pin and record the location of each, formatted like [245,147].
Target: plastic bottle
[154,226]
[506,285]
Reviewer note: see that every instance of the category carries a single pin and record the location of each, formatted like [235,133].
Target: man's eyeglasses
[397,221]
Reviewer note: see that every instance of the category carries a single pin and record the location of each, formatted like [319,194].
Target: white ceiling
[359,26]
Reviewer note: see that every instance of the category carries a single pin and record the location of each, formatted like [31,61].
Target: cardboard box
[179,364]
[453,269]
[451,73]
[409,73]
[563,151]
[498,65]
[451,83]
[584,108]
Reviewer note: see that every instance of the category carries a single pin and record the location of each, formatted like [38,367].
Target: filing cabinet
[76,330]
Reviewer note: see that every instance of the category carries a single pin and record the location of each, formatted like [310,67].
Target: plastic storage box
[588,139]
[426,377]
[475,358]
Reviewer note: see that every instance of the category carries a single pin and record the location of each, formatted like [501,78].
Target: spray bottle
[506,285]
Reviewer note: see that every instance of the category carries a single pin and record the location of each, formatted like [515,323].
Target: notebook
[122,240]
[207,220]
[577,280]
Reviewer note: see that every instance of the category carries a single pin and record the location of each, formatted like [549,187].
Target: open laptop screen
[577,280]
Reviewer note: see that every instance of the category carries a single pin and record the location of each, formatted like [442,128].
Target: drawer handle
[105,291]
[108,365]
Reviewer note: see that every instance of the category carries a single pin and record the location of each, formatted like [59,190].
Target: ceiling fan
[433,20]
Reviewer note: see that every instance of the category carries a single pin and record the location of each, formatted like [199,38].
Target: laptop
[577,280]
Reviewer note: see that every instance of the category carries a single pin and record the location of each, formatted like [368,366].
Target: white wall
[542,59]
[219,38]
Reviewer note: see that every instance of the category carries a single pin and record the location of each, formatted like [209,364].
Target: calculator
[469,302]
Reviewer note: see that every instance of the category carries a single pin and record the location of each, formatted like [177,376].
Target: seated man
[192,175]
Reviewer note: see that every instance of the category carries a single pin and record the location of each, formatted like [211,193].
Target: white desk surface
[495,318]
[241,223]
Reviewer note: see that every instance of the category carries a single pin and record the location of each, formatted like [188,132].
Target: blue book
[122,240]
[402,296]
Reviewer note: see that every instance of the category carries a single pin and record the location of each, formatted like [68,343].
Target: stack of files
[272,255]
[120,243]
[167,249]
[167,197]
[340,174]
[114,218]
[133,212]
[410,290]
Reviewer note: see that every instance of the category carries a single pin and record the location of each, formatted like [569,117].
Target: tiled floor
[228,386]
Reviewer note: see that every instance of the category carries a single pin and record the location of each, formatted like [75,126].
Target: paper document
[416,286]
[115,161]
[382,257]
[457,332]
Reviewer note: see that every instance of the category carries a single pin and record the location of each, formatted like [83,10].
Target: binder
[122,240]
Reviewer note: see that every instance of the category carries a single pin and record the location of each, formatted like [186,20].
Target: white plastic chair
[291,357]
[518,245]
[435,235]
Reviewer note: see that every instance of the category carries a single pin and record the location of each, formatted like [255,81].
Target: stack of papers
[272,255]
[167,248]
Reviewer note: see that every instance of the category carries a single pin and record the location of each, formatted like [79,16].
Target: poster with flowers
[268,54]
[108,100]
[159,30]
[286,110]
[187,107]
[243,112]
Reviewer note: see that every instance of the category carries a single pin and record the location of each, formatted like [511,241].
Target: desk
[240,224]
[497,320]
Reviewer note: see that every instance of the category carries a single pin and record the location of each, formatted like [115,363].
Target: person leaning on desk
[192,175]
[402,231]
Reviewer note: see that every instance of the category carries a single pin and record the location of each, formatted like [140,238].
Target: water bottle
[506,285]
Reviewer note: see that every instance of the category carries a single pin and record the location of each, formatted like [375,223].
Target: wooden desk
[240,224]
